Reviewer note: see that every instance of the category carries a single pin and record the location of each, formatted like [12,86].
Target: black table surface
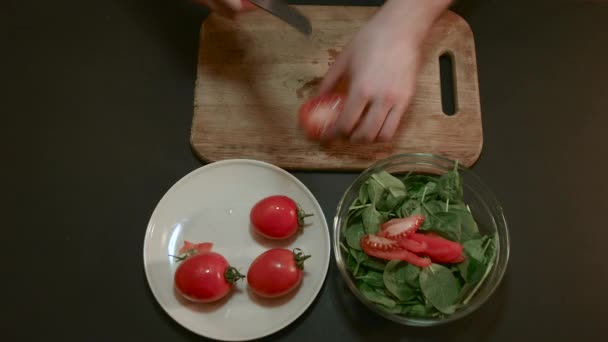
[96,112]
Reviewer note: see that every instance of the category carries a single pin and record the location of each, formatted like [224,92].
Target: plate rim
[246,161]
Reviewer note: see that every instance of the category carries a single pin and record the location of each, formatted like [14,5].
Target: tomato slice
[440,249]
[388,249]
[195,248]
[399,228]
[412,245]
[319,113]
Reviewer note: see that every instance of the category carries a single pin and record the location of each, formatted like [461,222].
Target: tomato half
[319,113]
[276,272]
[277,217]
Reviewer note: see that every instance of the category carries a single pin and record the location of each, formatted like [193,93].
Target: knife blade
[286,13]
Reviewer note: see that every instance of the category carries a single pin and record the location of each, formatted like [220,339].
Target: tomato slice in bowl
[319,113]
[440,249]
[387,249]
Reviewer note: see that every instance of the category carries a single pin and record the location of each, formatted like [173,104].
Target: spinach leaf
[370,262]
[374,191]
[398,278]
[372,278]
[408,207]
[373,263]
[490,248]
[353,235]
[439,287]
[363,194]
[351,263]
[434,207]
[392,202]
[450,186]
[375,297]
[359,258]
[391,183]
[448,225]
[397,309]
[418,310]
[372,219]
[469,227]
[475,248]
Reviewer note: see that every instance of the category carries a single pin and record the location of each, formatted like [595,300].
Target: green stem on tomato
[302,215]
[232,275]
[299,258]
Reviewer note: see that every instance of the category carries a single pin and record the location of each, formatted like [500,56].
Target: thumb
[335,73]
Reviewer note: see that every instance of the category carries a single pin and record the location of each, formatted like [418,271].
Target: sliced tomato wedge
[412,245]
[440,249]
[195,248]
[319,113]
[398,228]
[387,249]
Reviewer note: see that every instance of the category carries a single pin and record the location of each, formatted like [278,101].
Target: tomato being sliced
[398,228]
[319,113]
[388,249]
[440,249]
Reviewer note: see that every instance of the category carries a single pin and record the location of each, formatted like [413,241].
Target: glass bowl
[482,203]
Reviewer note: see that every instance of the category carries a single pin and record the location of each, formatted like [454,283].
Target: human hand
[381,64]
[228,8]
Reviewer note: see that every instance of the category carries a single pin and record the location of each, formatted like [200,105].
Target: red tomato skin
[440,249]
[275,217]
[390,251]
[274,273]
[312,125]
[200,278]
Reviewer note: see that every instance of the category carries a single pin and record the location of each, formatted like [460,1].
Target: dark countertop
[97,106]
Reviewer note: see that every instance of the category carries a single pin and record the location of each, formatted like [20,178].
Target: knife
[286,13]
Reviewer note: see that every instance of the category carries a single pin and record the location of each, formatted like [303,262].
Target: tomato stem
[187,254]
[299,257]
[232,275]
[302,215]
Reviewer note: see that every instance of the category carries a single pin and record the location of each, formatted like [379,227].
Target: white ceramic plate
[212,204]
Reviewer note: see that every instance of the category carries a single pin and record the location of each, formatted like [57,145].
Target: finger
[335,72]
[354,106]
[371,123]
[391,123]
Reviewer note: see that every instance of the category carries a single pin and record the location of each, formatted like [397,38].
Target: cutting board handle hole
[448,86]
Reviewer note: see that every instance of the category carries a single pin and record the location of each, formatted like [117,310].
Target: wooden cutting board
[253,75]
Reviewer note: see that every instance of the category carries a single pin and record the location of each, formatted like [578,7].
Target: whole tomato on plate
[276,272]
[204,276]
[277,217]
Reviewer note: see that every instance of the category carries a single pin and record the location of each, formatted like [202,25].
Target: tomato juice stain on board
[308,86]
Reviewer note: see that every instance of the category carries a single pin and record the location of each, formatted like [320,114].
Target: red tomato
[387,249]
[276,272]
[277,217]
[318,113]
[398,228]
[440,249]
[205,277]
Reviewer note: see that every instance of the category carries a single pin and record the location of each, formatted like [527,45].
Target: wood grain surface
[254,73]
